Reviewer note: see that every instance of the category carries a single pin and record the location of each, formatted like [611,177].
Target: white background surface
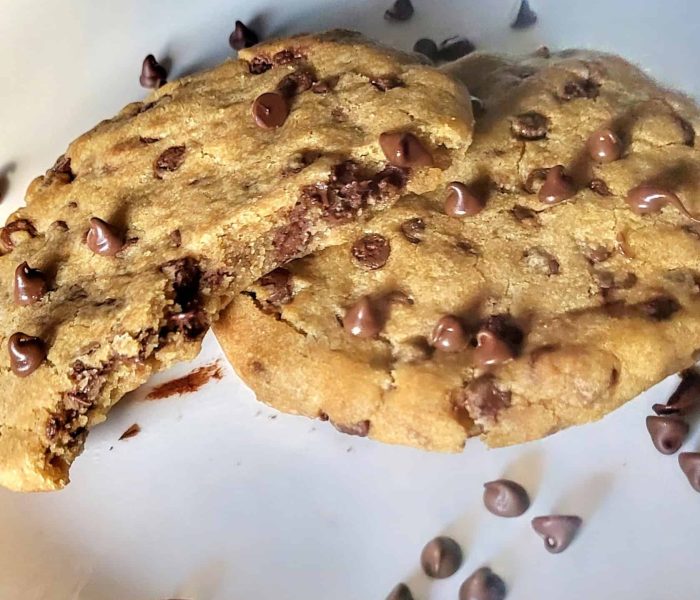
[219,497]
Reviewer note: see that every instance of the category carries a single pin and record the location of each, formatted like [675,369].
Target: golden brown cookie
[555,279]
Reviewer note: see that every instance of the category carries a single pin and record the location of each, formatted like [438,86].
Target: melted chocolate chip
[18,225]
[62,170]
[454,48]
[413,230]
[259,64]
[449,335]
[597,254]
[523,214]
[580,88]
[400,592]
[690,465]
[153,74]
[185,275]
[401,10]
[600,187]
[103,239]
[279,287]
[30,285]
[646,199]
[371,251]
[191,323]
[441,557]
[169,160]
[404,150]
[491,350]
[660,308]
[483,398]
[483,584]
[557,187]
[505,498]
[461,202]
[242,37]
[295,83]
[525,18]
[530,126]
[26,353]
[604,146]
[667,433]
[557,531]
[426,47]
[386,83]
[270,110]
[360,429]
[362,319]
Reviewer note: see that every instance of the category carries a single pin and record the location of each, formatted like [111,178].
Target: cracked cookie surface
[558,281]
[143,231]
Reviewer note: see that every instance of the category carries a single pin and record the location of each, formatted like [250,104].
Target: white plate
[221,498]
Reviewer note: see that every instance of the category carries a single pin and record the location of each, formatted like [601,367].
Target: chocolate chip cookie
[139,235]
[554,279]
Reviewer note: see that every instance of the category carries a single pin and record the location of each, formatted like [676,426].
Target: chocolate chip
[191,323]
[242,37]
[454,48]
[371,251]
[295,83]
[30,285]
[604,146]
[102,238]
[132,431]
[287,56]
[386,83]
[404,150]
[325,85]
[646,199]
[448,335]
[62,169]
[530,126]
[491,350]
[413,230]
[600,187]
[400,592]
[461,202]
[468,248]
[690,465]
[483,584]
[441,557]
[524,214]
[169,160]
[270,110]
[401,10]
[26,353]
[525,18]
[18,225]
[279,287]
[153,74]
[362,319]
[557,531]
[580,88]
[426,47]
[175,238]
[483,398]
[557,187]
[660,308]
[667,433]
[360,429]
[505,498]
[185,275]
[686,397]
[259,64]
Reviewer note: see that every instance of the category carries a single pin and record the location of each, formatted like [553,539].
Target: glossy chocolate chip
[648,199]
[400,592]
[413,230]
[401,10]
[362,319]
[26,353]
[667,433]
[461,202]
[103,238]
[491,350]
[525,18]
[169,160]
[426,47]
[371,251]
[690,465]
[448,335]
[604,146]
[557,187]
[153,74]
[505,498]
[441,557]
[557,531]
[404,150]
[30,285]
[454,48]
[530,126]
[242,37]
[600,187]
[270,110]
[483,584]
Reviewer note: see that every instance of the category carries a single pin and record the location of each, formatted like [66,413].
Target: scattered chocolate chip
[449,335]
[360,429]
[690,465]
[660,308]
[169,160]
[525,18]
[279,287]
[557,187]
[62,169]
[461,202]
[18,225]
[413,230]
[153,74]
[580,88]
[401,10]
[604,146]
[667,433]
[270,110]
[454,48]
[386,83]
[441,557]
[287,56]
[557,531]
[400,592]
[26,353]
[371,251]
[259,64]
[530,126]
[30,285]
[426,47]
[325,85]
[175,238]
[295,83]
[132,431]
[483,398]
[600,187]
[404,150]
[505,498]
[686,397]
[242,37]
[483,584]
[362,319]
